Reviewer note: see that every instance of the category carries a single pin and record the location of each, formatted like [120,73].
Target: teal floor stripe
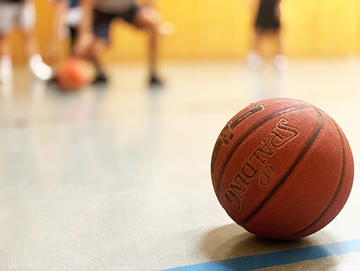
[276,258]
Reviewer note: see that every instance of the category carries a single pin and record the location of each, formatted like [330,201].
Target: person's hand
[83,44]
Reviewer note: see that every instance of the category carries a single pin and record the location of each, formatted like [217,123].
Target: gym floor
[117,177]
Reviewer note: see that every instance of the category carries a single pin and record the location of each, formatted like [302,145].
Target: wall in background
[213,29]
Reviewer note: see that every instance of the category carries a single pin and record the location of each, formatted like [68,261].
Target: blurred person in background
[97,18]
[66,19]
[267,21]
[22,14]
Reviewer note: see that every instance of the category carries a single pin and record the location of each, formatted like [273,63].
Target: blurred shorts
[103,20]
[267,22]
[73,16]
[23,15]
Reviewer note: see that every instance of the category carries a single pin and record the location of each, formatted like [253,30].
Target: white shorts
[21,15]
[73,16]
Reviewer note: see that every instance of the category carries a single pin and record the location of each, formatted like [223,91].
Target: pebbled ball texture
[282,169]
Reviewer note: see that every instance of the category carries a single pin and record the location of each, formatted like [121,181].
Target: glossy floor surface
[117,177]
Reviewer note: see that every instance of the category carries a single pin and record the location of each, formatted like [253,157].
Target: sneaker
[5,78]
[254,61]
[155,81]
[100,77]
[6,75]
[39,69]
[281,62]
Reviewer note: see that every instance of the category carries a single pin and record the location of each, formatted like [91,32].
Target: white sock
[35,59]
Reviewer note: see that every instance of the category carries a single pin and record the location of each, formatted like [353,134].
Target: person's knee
[148,18]
[83,45]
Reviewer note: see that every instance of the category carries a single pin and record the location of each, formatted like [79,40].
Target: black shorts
[266,19]
[73,36]
[102,20]
[267,24]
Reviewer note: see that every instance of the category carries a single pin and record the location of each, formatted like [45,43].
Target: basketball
[74,73]
[282,169]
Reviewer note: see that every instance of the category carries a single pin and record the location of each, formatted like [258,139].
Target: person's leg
[280,60]
[27,17]
[97,48]
[90,48]
[258,35]
[72,21]
[278,41]
[98,44]
[150,20]
[73,30]
[254,59]
[7,15]
[5,60]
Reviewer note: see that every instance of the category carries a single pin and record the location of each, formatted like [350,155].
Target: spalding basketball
[74,73]
[282,169]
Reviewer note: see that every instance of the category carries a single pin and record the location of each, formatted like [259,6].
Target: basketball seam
[244,116]
[336,193]
[287,174]
[233,124]
[245,135]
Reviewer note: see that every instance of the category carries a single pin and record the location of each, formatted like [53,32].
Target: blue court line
[276,258]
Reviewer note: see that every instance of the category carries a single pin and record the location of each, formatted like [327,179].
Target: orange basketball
[74,73]
[282,169]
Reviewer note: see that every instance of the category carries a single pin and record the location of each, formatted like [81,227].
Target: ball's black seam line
[287,173]
[244,136]
[336,193]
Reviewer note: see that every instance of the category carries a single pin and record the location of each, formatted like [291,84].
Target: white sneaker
[281,62]
[39,69]
[5,70]
[6,77]
[254,60]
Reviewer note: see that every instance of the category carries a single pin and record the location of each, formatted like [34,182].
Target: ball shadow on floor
[232,241]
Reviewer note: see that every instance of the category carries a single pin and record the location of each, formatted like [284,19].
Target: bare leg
[90,48]
[254,59]
[153,51]
[257,41]
[281,61]
[30,42]
[38,68]
[278,41]
[5,60]
[149,19]
[98,46]
[4,45]
[27,22]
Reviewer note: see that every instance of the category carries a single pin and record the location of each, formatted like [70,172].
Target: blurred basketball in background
[74,73]
[282,169]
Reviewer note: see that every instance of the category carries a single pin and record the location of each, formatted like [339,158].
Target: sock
[35,59]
